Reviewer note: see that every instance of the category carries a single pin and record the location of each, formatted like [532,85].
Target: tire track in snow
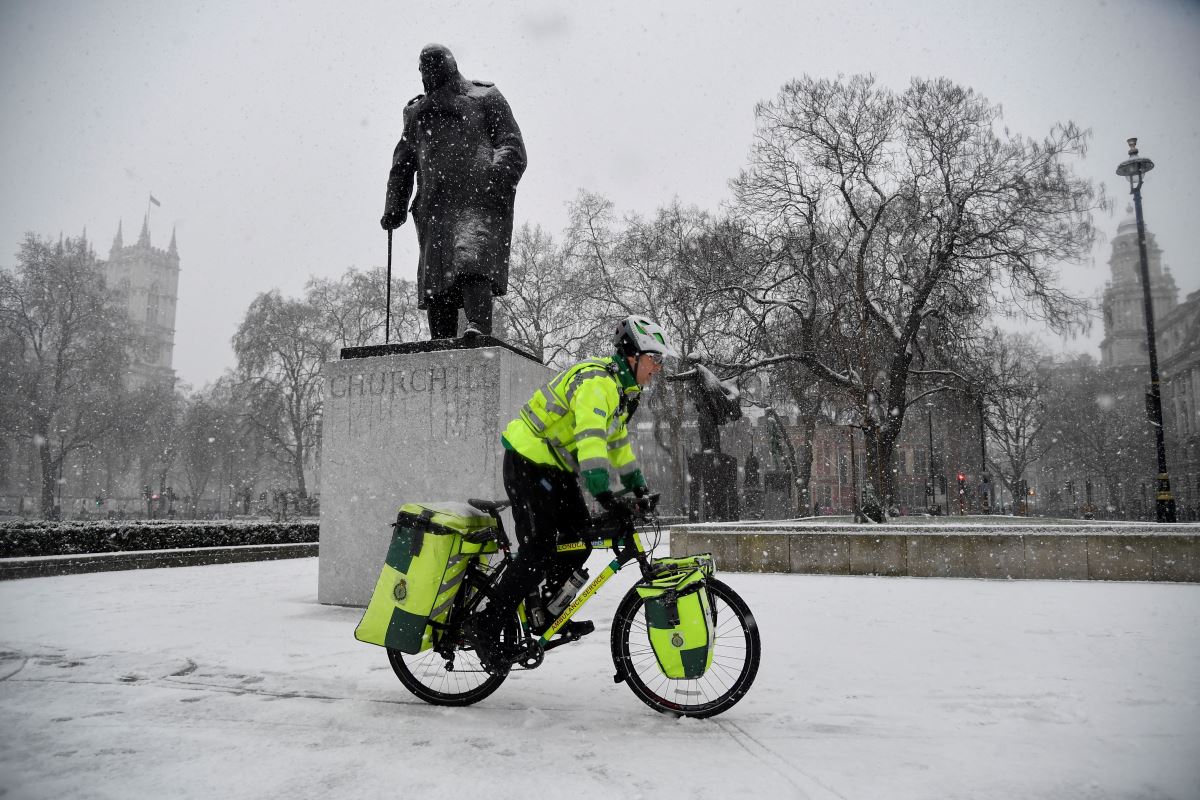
[807,785]
[9,656]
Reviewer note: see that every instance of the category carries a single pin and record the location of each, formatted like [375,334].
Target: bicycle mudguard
[429,552]
[679,622]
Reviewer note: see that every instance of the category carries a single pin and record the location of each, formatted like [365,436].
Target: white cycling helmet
[636,335]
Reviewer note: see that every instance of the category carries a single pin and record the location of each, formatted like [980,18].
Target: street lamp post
[1135,168]
[985,480]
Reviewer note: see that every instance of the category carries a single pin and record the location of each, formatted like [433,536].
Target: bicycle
[450,673]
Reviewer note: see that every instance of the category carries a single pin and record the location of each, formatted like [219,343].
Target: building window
[152,304]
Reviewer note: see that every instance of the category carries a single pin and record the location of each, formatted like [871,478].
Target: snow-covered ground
[233,682]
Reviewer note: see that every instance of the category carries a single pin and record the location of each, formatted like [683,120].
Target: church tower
[146,279]
[1124,341]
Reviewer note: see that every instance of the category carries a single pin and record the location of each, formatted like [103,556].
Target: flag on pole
[154,200]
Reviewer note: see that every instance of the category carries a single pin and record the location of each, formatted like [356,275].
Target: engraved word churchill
[389,383]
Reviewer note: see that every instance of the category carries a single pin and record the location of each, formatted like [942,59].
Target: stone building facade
[146,279]
[1123,305]
[1178,335]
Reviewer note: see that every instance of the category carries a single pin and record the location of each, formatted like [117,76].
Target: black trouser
[472,293]
[547,503]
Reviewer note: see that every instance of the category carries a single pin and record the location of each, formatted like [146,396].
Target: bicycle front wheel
[736,652]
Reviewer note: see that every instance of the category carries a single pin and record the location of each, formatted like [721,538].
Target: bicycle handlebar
[641,509]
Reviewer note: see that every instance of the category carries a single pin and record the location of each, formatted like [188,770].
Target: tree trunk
[879,441]
[1014,490]
[49,480]
[804,502]
[298,467]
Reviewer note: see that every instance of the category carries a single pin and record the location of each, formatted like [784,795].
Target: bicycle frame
[626,545]
[636,552]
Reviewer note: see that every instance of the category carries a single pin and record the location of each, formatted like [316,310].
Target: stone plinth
[408,427]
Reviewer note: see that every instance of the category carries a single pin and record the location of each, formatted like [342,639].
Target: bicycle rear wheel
[736,652]
[462,682]
[435,680]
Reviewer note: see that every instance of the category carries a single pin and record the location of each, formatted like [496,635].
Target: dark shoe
[471,331]
[573,631]
[576,628]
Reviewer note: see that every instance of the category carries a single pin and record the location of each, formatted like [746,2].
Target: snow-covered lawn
[233,682]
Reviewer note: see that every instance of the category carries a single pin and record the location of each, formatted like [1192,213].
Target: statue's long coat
[465,149]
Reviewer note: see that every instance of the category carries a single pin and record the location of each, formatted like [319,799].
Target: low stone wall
[1076,552]
[45,566]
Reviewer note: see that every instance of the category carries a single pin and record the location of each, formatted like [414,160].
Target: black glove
[641,491]
[612,505]
[391,221]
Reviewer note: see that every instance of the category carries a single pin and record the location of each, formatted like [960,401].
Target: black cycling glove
[612,505]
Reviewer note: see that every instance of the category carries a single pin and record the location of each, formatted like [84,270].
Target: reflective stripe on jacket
[577,421]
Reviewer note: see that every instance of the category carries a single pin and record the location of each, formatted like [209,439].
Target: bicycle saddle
[490,506]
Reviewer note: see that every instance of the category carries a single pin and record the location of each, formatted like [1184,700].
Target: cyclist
[573,427]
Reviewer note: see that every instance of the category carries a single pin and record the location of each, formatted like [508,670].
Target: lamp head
[1135,166]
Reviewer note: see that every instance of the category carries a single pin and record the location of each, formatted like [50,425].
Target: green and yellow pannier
[432,543]
[679,616]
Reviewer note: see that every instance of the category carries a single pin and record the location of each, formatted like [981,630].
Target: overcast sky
[266,129]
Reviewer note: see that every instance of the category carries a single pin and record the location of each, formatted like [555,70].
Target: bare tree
[203,434]
[1097,421]
[66,354]
[1016,409]
[541,311]
[351,308]
[243,453]
[281,347]
[664,267]
[155,413]
[899,218]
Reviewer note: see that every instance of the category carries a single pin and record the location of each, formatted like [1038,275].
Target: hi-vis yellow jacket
[577,423]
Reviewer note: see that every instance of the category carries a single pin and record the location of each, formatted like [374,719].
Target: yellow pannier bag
[422,573]
[679,623]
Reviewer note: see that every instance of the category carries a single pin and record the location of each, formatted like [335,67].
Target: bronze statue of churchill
[464,148]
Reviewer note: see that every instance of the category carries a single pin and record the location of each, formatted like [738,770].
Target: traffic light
[962,483]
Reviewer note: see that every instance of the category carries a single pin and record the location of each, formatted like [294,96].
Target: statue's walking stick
[387,324]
